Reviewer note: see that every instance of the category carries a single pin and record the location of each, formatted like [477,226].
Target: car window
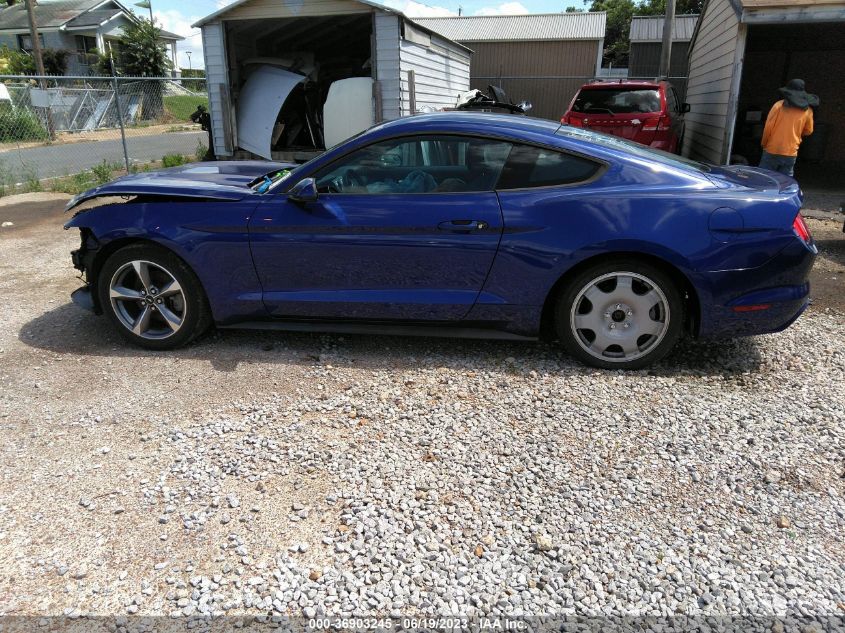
[420,164]
[630,147]
[617,100]
[529,166]
[672,99]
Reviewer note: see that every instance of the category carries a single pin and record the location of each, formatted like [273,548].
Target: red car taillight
[800,228]
[660,124]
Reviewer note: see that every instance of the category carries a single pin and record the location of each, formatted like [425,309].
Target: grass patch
[181,107]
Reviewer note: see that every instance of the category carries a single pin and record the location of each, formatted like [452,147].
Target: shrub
[102,172]
[201,152]
[21,125]
[173,160]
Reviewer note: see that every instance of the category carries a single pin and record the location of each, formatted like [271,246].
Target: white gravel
[266,474]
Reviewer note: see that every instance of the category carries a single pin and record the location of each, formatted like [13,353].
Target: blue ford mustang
[460,224]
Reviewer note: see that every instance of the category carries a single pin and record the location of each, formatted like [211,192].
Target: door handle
[463,226]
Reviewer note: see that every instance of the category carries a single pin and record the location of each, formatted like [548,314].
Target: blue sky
[178,15]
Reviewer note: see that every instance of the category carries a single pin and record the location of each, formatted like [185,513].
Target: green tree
[619,14]
[140,51]
[658,7]
[616,44]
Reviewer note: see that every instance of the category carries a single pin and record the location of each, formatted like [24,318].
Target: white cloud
[506,8]
[418,10]
[177,22]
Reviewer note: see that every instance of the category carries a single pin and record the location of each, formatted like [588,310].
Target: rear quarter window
[529,166]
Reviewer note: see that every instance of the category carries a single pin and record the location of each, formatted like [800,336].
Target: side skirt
[442,331]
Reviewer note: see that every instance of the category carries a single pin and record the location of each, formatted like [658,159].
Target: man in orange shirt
[789,121]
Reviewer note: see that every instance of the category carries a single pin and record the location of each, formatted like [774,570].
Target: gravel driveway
[269,473]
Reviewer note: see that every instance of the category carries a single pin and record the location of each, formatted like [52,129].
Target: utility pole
[39,64]
[33,34]
[666,50]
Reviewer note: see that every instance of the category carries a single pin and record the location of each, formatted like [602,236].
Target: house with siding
[77,26]
[646,37]
[541,58]
[412,68]
[741,52]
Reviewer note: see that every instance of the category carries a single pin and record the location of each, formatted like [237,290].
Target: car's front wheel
[620,314]
[153,298]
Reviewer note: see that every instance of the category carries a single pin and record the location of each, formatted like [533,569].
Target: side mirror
[304,191]
[684,107]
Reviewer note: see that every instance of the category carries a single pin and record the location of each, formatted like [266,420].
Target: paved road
[50,161]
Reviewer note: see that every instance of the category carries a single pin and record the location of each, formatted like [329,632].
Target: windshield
[618,100]
[630,147]
[299,168]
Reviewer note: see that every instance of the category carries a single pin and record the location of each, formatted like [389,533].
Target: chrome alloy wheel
[620,316]
[147,300]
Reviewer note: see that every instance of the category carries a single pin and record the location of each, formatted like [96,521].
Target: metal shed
[412,68]
[543,58]
[741,52]
[646,39]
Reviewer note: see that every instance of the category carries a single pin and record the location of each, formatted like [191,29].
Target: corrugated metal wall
[441,71]
[712,66]
[268,9]
[546,73]
[387,64]
[644,63]
[216,69]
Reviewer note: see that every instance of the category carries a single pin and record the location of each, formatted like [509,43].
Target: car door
[404,229]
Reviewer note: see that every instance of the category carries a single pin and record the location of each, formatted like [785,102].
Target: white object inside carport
[348,109]
[260,101]
[5,97]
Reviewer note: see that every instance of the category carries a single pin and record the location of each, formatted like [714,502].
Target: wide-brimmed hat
[796,96]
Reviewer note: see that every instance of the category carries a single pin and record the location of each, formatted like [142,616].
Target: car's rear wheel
[620,314]
[153,298]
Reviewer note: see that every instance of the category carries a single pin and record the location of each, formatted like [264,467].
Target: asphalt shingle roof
[48,14]
[93,18]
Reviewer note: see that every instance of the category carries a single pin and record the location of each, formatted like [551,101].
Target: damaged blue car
[452,224]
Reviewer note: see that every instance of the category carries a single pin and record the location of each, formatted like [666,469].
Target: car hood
[731,176]
[224,180]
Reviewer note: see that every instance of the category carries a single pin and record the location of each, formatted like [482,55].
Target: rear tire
[152,297]
[620,314]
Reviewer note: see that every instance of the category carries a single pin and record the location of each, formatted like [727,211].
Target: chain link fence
[91,128]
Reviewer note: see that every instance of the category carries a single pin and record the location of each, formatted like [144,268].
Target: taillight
[800,228]
[660,124]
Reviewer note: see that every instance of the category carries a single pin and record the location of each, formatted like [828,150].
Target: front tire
[620,314]
[152,297]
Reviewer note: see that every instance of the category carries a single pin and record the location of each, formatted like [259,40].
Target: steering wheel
[350,178]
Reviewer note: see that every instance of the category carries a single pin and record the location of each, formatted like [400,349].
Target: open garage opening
[814,52]
[322,51]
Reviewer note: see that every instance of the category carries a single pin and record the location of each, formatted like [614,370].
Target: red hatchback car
[647,112]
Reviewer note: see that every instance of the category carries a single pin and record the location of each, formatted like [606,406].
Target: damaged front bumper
[83,298]
[83,261]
